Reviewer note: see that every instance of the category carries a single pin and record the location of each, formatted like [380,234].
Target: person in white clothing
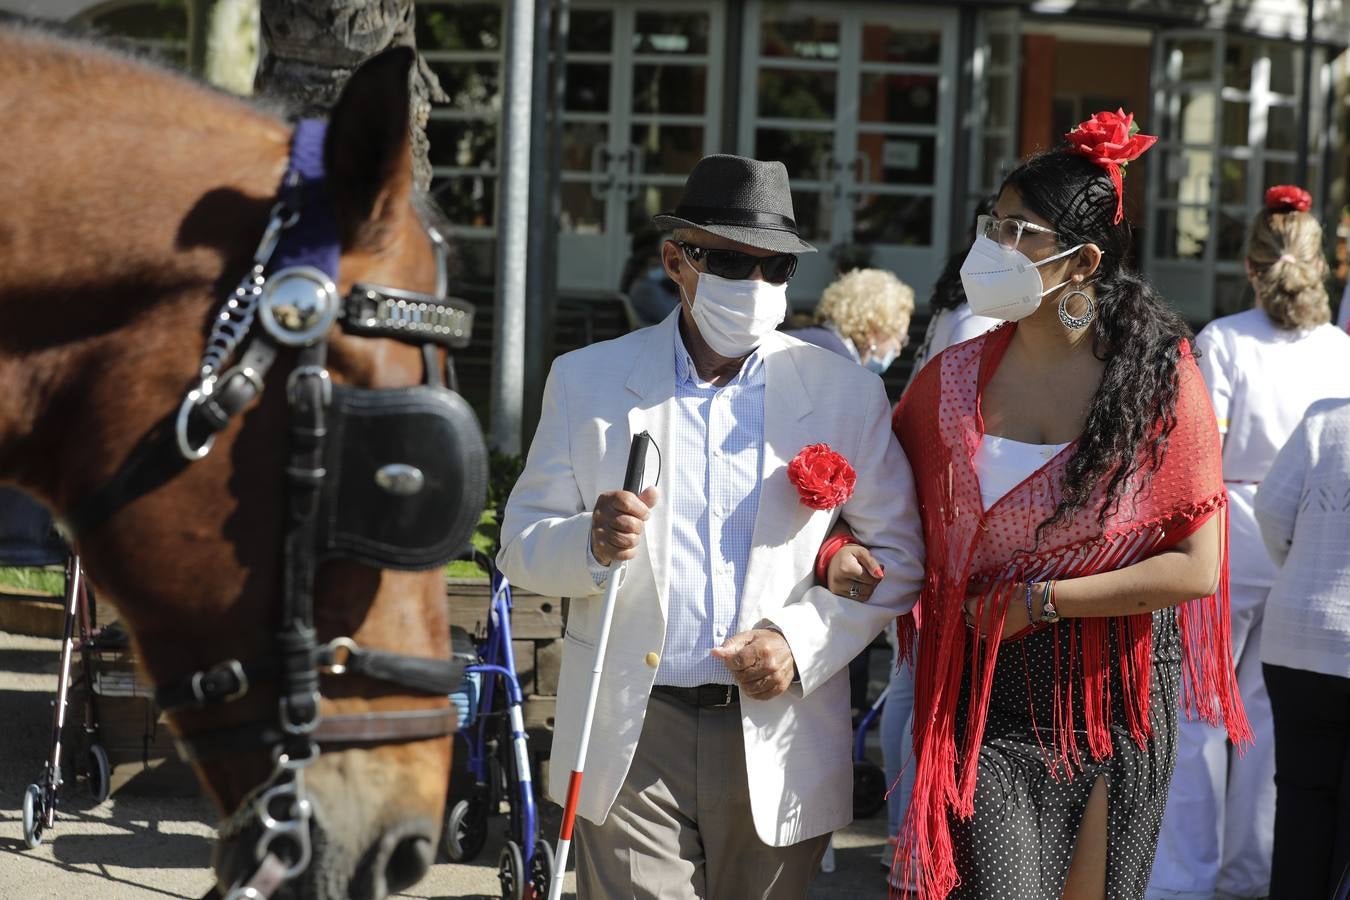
[721,763]
[1263,368]
[1303,507]
[953,320]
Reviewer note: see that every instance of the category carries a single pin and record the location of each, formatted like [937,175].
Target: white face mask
[735,316]
[1002,283]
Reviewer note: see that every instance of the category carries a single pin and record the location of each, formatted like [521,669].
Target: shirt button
[653,659]
[717,511]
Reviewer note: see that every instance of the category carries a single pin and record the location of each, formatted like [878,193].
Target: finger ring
[854,591]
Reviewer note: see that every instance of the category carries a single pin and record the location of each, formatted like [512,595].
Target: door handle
[636,160]
[600,160]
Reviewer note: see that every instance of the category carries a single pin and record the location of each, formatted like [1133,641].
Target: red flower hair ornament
[1284,198]
[1111,139]
[823,478]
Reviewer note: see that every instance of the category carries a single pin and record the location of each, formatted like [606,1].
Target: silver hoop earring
[1072,322]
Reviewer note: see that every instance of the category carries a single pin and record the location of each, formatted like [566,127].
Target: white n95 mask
[1002,283]
[735,316]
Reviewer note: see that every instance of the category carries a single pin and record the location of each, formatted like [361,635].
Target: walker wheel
[511,872]
[541,870]
[869,789]
[32,816]
[465,829]
[100,773]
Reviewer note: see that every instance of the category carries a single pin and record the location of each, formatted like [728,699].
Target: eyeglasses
[1008,232]
[735,265]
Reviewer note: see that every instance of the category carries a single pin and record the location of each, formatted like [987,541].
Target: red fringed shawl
[938,423]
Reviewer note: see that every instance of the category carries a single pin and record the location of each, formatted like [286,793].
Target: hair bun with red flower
[823,478]
[1283,198]
[1111,139]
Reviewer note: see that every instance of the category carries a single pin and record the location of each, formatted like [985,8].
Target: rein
[392,478]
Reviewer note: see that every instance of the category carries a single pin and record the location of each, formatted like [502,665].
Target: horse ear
[368,151]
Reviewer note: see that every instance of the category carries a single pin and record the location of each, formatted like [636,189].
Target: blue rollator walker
[493,728]
[869,779]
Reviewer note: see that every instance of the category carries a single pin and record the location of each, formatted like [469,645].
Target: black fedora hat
[740,199]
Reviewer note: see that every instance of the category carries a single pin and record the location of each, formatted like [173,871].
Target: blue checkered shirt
[716,464]
[712,475]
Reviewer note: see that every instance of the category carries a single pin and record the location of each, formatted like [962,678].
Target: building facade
[893,119]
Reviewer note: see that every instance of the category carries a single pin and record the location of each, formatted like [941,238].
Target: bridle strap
[398,726]
[231,679]
[308,389]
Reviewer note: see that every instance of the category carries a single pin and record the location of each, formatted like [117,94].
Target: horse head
[137,201]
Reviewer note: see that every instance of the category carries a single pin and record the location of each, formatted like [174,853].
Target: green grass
[44,579]
[51,579]
[463,568]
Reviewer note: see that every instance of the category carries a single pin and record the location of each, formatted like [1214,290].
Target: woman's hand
[1014,620]
[853,573]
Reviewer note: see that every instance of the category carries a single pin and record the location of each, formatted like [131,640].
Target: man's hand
[760,660]
[617,522]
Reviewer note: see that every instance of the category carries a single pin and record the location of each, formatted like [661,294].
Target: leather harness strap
[231,679]
[399,726]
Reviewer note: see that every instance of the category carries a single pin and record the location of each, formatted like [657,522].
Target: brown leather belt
[704,695]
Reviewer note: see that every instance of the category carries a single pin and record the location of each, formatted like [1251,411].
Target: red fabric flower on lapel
[1288,198]
[823,478]
[1111,139]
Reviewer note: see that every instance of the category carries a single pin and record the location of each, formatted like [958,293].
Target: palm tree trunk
[310,47]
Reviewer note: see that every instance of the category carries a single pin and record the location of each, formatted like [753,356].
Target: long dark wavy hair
[1138,335]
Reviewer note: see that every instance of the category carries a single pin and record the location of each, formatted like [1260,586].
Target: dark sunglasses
[733,264]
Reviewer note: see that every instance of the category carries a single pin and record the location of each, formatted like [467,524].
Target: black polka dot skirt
[1020,842]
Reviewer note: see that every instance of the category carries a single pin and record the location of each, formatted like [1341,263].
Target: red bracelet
[827,552]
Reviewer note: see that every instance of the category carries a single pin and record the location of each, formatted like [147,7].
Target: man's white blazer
[797,746]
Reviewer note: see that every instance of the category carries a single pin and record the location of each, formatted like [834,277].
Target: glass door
[642,107]
[1228,113]
[858,102]
[994,69]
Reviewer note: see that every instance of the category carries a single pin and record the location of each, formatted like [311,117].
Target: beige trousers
[681,828]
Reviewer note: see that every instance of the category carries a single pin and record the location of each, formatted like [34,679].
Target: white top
[1303,507]
[949,328]
[1262,380]
[1002,464]
[1343,318]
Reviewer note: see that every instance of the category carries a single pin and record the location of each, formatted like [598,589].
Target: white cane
[632,482]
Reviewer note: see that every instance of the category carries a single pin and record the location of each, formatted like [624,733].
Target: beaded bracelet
[1030,621]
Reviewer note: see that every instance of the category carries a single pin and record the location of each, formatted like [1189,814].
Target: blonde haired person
[1263,368]
[864,315]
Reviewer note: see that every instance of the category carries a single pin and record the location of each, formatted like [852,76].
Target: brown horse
[134,200]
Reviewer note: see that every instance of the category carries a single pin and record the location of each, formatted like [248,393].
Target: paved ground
[153,840]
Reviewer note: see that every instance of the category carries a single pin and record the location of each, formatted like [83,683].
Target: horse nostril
[408,863]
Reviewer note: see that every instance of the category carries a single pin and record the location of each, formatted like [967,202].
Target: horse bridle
[287,301]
